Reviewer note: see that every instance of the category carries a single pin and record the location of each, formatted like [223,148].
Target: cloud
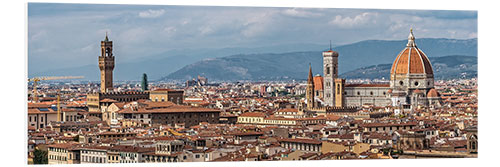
[151,13]
[206,30]
[354,22]
[89,48]
[169,30]
[180,27]
[39,35]
[300,13]
[258,24]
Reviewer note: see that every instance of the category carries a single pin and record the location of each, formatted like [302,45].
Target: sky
[69,35]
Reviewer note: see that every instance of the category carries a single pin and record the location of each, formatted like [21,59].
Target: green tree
[144,83]
[40,157]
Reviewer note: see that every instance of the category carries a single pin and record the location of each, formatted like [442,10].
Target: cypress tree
[144,83]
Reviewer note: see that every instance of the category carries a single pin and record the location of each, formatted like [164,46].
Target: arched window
[108,52]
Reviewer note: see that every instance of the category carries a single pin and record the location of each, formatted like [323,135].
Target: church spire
[411,39]
[310,78]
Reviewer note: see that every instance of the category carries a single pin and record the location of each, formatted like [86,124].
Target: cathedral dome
[411,60]
[432,93]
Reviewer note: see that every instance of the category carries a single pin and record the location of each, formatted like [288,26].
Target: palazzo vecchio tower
[106,65]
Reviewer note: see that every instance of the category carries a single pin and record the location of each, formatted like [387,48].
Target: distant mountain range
[289,61]
[370,57]
[160,65]
[446,67]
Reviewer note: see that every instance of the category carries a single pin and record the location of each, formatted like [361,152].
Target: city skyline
[203,118]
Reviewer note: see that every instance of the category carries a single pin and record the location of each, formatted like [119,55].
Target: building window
[401,83]
[359,93]
[416,83]
[327,70]
[371,93]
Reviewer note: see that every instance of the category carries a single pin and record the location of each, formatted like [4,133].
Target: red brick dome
[432,93]
[411,60]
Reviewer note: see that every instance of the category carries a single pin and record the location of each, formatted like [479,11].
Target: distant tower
[310,90]
[144,83]
[330,72]
[106,64]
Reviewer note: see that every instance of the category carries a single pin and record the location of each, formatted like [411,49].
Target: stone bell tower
[106,65]
[330,72]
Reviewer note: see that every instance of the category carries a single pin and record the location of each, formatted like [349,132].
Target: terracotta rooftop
[308,141]
[170,109]
[253,114]
[318,83]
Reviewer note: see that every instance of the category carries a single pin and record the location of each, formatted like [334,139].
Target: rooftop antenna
[330,44]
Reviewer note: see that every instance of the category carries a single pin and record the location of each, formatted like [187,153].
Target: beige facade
[166,151]
[110,113]
[333,147]
[96,100]
[63,153]
[309,145]
[40,118]
[113,157]
[261,119]
[161,95]
[94,155]
[339,92]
